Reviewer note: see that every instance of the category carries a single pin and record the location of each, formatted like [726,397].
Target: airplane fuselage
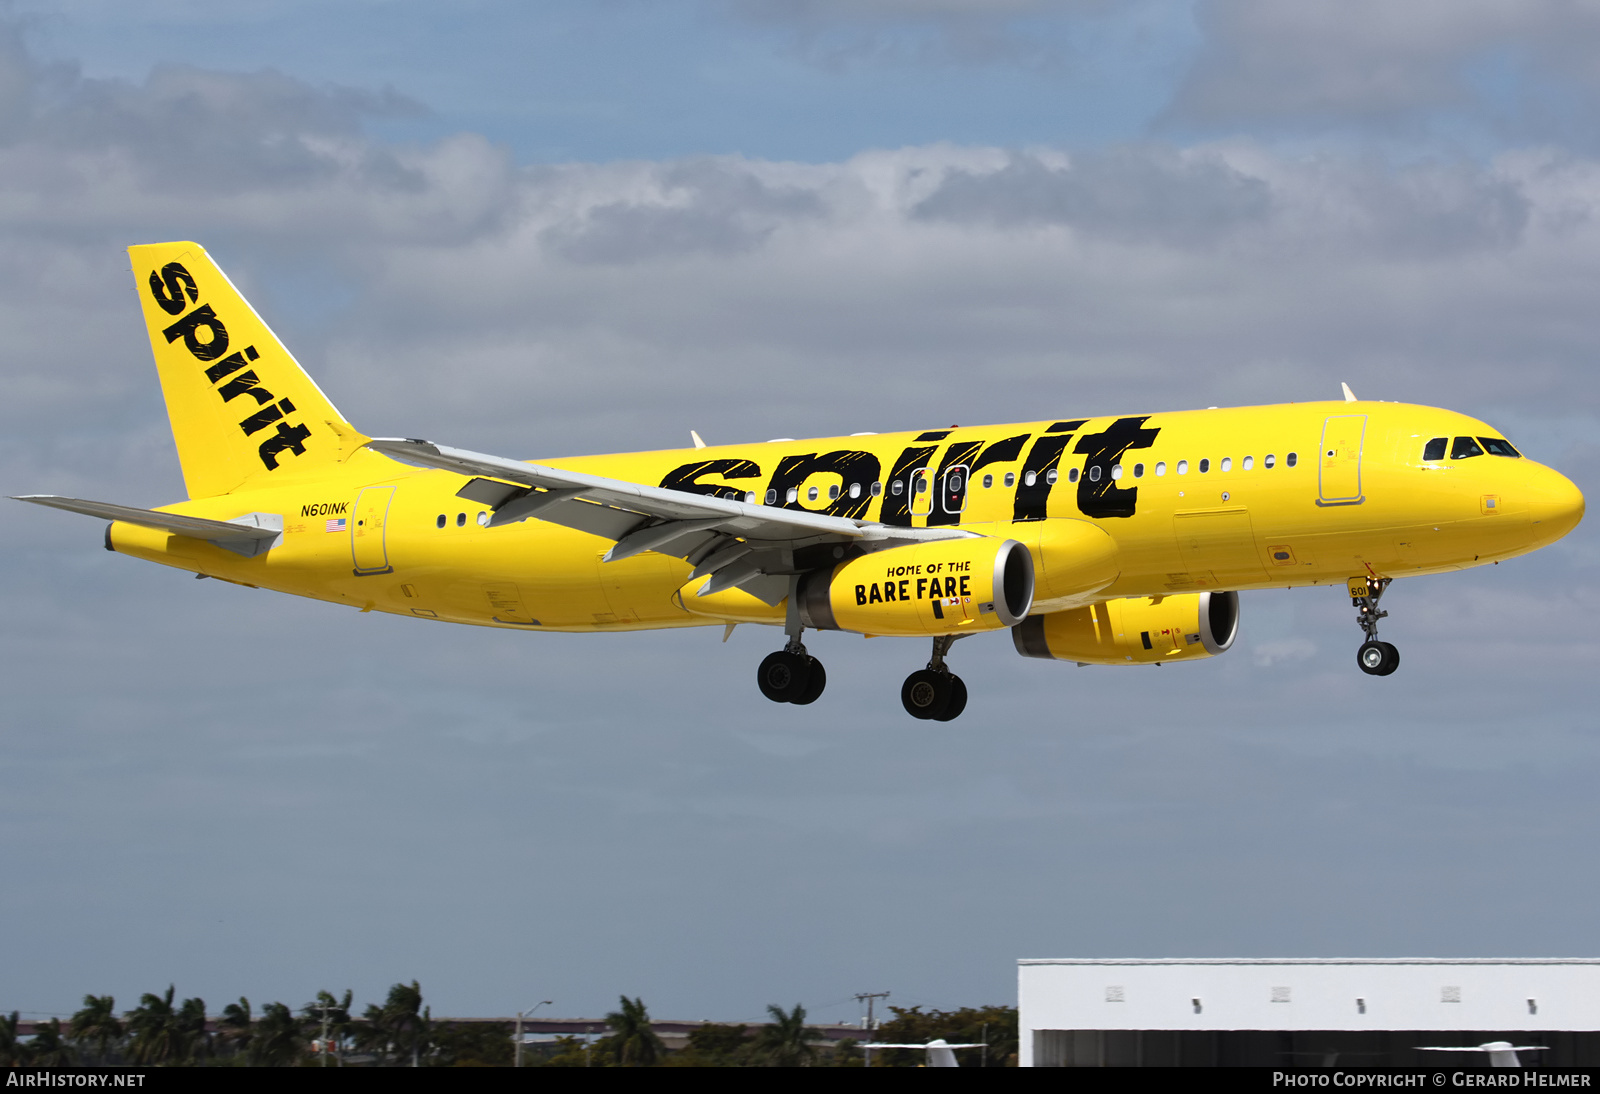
[1236,498]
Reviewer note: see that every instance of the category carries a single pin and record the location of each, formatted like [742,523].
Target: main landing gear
[1375,658]
[792,675]
[935,693]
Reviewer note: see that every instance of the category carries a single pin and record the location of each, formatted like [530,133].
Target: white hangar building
[1309,1012]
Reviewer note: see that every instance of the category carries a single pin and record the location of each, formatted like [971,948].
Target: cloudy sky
[591,225]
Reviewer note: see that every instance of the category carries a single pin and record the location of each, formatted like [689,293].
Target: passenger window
[811,494]
[1498,447]
[1227,463]
[855,490]
[1205,465]
[988,481]
[483,519]
[833,491]
[461,520]
[1464,448]
[440,521]
[1094,473]
[1138,470]
[1029,478]
[1268,461]
[877,488]
[1161,468]
[1434,449]
[1072,475]
[1050,476]
[772,497]
[1116,471]
[1011,478]
[792,496]
[897,488]
[750,498]
[1291,459]
[1249,462]
[922,484]
[1183,467]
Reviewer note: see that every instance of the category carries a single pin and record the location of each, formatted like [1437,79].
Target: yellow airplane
[1104,541]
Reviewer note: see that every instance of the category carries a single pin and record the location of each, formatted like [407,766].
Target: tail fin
[241,406]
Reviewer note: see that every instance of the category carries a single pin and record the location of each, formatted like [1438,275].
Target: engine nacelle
[1134,631]
[948,586]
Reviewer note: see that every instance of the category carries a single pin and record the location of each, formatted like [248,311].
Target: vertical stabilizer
[241,406]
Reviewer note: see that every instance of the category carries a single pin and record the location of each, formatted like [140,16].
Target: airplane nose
[1555,506]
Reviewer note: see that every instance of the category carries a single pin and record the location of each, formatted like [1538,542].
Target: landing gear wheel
[926,693]
[784,677]
[819,680]
[958,701]
[1378,658]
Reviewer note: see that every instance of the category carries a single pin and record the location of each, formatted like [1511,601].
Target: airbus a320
[1096,540]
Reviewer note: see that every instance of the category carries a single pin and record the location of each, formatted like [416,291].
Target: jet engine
[948,586]
[1138,630]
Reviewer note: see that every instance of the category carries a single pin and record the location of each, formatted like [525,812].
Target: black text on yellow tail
[241,407]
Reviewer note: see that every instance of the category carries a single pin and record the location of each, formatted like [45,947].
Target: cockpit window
[1435,448]
[1464,447]
[1498,447]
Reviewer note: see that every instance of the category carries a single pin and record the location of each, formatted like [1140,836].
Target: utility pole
[868,997]
[522,1014]
[325,1007]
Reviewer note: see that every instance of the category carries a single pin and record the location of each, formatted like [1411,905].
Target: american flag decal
[335,525]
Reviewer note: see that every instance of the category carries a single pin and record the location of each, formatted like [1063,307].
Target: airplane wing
[247,539]
[737,543]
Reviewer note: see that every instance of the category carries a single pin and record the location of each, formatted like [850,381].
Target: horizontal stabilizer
[248,539]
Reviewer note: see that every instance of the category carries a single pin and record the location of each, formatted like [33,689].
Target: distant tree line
[161,1032]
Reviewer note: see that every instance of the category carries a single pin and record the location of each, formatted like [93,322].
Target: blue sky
[560,228]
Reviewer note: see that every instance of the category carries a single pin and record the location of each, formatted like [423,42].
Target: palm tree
[97,1024]
[48,1048]
[192,1030]
[632,1039]
[786,1041]
[157,1036]
[13,1052]
[280,1039]
[236,1027]
[402,1022]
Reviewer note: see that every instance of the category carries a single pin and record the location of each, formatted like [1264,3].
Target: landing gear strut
[1375,658]
[792,675]
[935,693]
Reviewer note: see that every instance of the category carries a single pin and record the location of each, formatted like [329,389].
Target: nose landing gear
[935,693]
[1375,658]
